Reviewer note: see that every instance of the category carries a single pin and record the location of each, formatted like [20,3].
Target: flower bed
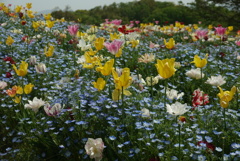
[117,92]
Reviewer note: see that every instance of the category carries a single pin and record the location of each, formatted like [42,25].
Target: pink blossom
[199,98]
[237,43]
[220,31]
[73,30]
[156,22]
[114,46]
[152,45]
[137,22]
[201,33]
[116,22]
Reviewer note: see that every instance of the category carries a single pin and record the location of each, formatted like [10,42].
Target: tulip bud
[41,68]
[32,60]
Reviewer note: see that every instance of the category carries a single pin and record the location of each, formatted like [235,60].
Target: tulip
[99,43]
[94,148]
[199,63]
[124,80]
[73,30]
[114,46]
[32,60]
[165,67]
[54,110]
[170,44]
[226,96]
[49,52]
[49,23]
[28,88]
[35,104]
[41,68]
[23,69]
[107,68]
[100,84]
[9,41]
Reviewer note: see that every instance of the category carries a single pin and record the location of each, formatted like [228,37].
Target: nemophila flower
[195,73]
[216,80]
[199,63]
[107,68]
[9,59]
[99,43]
[3,84]
[35,104]
[32,60]
[145,112]
[147,58]
[94,148]
[173,94]
[23,69]
[114,46]
[73,30]
[41,68]
[199,98]
[166,68]
[226,96]
[9,41]
[177,108]
[49,51]
[170,44]
[53,110]
[100,84]
[28,88]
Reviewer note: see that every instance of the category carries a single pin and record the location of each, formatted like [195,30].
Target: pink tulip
[201,33]
[73,30]
[220,31]
[237,43]
[114,46]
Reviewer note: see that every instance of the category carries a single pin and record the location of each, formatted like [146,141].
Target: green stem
[179,140]
[224,117]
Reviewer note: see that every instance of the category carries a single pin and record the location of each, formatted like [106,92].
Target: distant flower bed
[117,92]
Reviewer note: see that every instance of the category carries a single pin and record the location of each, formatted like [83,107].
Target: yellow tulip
[29,5]
[23,69]
[28,88]
[18,9]
[134,43]
[47,16]
[99,43]
[100,84]
[9,41]
[30,14]
[230,28]
[199,63]
[49,23]
[226,96]
[17,99]
[210,27]
[19,89]
[170,44]
[35,25]
[114,36]
[165,67]
[91,52]
[107,68]
[49,52]
[119,53]
[124,80]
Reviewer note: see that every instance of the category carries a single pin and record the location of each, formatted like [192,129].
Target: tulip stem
[224,117]
[179,140]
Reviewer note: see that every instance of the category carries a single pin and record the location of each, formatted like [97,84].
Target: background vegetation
[215,12]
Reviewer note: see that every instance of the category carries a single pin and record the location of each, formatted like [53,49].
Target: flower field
[140,91]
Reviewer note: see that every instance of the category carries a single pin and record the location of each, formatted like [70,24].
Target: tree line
[215,12]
